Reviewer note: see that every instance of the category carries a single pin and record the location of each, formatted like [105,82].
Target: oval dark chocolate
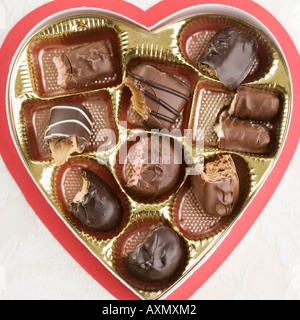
[231,53]
[100,209]
[157,258]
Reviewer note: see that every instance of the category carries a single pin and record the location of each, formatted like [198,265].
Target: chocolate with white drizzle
[158,97]
[69,131]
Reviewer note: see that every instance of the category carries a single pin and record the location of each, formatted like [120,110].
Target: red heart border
[147,18]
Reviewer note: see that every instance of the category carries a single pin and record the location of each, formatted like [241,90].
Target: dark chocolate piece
[69,131]
[97,206]
[243,136]
[231,53]
[217,187]
[254,104]
[83,65]
[157,258]
[152,167]
[158,97]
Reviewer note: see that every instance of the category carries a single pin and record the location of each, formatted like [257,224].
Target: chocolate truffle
[83,65]
[96,205]
[254,104]
[243,136]
[158,97]
[153,166]
[69,131]
[157,258]
[231,53]
[216,189]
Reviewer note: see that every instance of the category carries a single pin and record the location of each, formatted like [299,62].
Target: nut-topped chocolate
[69,131]
[83,65]
[96,205]
[158,97]
[157,258]
[153,167]
[217,187]
[231,53]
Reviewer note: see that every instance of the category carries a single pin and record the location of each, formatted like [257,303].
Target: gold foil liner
[164,47]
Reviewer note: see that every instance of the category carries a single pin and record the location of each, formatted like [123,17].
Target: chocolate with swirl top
[158,97]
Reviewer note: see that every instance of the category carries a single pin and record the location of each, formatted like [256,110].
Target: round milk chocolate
[217,187]
[153,167]
[100,208]
[157,258]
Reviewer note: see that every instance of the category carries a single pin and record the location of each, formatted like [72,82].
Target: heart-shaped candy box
[173,48]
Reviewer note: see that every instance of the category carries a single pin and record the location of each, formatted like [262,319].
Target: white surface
[266,264]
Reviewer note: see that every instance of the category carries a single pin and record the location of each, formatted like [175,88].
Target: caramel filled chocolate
[69,131]
[153,167]
[83,65]
[254,104]
[231,53]
[157,258]
[96,205]
[217,187]
[243,136]
[158,97]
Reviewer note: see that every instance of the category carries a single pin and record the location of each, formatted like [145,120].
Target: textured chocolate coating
[231,53]
[155,168]
[68,120]
[157,258]
[217,192]
[254,104]
[100,209]
[243,136]
[163,95]
[84,64]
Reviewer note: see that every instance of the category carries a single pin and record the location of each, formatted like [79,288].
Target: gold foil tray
[30,89]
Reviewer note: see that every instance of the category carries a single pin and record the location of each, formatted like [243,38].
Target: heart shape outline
[147,18]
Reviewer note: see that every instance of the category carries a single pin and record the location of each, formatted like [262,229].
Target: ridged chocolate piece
[155,167]
[83,65]
[254,104]
[217,188]
[100,209]
[231,53]
[158,97]
[243,136]
[157,258]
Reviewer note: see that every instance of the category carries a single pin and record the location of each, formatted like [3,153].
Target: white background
[266,264]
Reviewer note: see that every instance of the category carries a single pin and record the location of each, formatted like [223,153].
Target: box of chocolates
[150,144]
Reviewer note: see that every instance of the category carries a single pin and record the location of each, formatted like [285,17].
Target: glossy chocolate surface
[217,187]
[244,136]
[155,167]
[231,53]
[254,104]
[86,64]
[100,208]
[157,258]
[164,96]
[67,120]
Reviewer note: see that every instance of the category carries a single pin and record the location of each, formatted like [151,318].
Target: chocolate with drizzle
[158,97]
